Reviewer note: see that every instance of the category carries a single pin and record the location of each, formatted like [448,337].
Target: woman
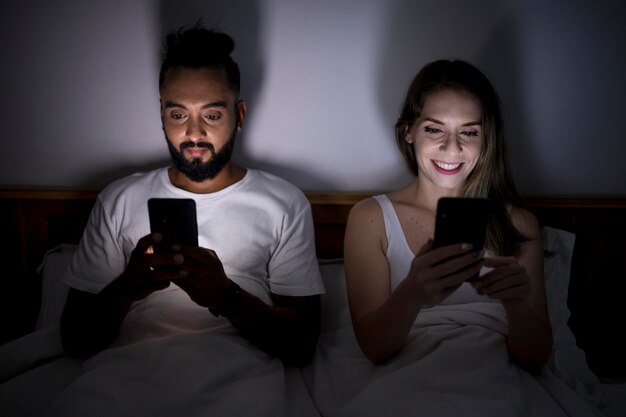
[451,135]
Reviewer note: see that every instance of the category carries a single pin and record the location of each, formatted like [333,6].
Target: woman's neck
[427,194]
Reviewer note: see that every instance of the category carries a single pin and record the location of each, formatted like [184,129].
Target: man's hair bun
[197,47]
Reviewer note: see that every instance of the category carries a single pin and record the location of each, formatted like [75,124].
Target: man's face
[200,119]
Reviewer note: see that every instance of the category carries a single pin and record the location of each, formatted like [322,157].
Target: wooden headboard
[35,220]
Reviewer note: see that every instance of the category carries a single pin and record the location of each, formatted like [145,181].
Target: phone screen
[175,219]
[461,220]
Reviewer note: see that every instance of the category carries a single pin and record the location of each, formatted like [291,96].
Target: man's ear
[241,109]
[162,114]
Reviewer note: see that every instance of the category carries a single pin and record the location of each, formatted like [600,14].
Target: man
[255,264]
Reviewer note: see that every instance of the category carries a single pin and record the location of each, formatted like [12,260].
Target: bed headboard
[35,220]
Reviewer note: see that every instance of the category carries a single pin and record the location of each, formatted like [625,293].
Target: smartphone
[461,220]
[175,219]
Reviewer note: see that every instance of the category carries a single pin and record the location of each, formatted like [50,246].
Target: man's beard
[195,169]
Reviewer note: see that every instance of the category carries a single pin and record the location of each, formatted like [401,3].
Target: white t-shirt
[260,227]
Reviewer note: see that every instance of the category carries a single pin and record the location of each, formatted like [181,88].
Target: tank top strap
[393,228]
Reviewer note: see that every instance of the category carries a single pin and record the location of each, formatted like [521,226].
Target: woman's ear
[407,135]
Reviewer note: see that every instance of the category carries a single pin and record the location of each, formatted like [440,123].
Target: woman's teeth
[446,166]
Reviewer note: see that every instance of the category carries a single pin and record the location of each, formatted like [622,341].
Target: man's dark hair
[197,47]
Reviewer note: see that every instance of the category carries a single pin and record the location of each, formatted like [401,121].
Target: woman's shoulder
[525,222]
[367,208]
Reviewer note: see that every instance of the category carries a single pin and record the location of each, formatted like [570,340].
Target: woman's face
[447,138]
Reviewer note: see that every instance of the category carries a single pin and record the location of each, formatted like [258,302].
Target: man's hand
[201,276]
[147,271]
[287,330]
[90,322]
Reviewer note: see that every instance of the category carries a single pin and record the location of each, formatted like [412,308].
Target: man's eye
[177,116]
[213,117]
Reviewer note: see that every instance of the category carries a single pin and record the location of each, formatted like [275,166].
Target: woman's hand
[436,273]
[508,281]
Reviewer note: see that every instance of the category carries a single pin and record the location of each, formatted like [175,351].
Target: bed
[161,367]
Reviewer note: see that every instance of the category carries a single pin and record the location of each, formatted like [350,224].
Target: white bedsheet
[172,359]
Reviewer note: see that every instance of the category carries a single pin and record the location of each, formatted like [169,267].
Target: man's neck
[229,175]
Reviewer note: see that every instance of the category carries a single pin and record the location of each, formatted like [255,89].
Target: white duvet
[174,359]
[455,364]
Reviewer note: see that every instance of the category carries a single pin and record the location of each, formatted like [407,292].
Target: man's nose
[195,130]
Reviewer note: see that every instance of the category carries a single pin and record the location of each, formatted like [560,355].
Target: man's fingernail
[179,258]
[183,274]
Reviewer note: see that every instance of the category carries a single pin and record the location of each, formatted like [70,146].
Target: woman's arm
[382,319]
[519,284]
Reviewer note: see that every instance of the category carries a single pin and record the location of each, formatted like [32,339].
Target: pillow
[53,290]
[335,312]
[567,361]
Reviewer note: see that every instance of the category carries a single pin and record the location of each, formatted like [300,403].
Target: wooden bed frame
[35,220]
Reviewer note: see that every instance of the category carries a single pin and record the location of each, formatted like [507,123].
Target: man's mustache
[190,144]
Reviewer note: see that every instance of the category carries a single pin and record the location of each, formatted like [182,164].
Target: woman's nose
[451,143]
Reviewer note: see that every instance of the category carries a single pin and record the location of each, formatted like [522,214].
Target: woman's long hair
[492,176]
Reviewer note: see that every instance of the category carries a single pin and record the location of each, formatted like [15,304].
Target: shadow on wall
[111,174]
[238,19]
[243,27]
[481,32]
[500,59]
[221,16]
[242,21]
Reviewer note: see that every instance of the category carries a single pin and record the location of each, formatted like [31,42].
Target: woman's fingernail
[179,258]
[466,246]
[183,274]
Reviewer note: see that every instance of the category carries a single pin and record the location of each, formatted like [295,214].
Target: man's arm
[288,330]
[90,322]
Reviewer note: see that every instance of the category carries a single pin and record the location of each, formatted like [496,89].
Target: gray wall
[324,81]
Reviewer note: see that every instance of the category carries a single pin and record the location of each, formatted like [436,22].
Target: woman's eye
[432,130]
[469,133]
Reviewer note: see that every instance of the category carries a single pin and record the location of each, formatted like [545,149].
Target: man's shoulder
[274,185]
[131,185]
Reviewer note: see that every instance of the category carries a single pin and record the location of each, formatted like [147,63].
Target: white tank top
[399,257]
